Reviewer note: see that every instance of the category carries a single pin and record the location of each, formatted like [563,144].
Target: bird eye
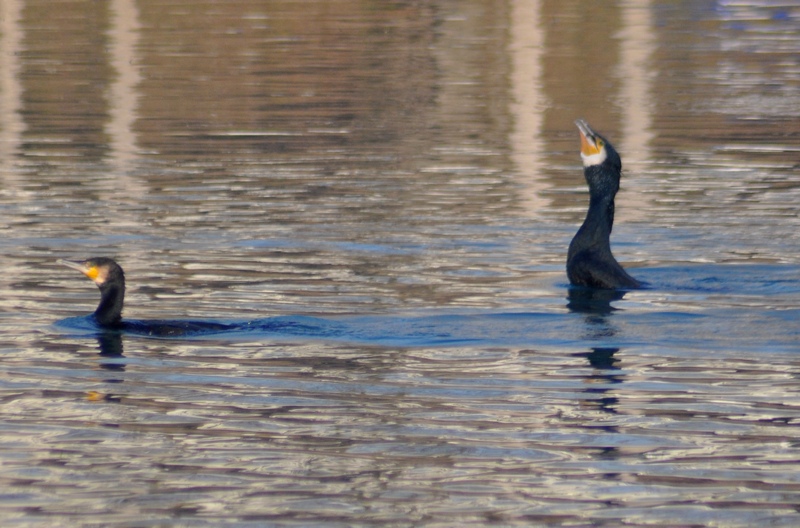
[600,143]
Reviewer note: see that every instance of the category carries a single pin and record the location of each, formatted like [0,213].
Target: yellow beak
[91,272]
[588,142]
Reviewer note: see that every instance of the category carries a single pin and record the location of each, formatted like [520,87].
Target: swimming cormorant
[109,277]
[589,259]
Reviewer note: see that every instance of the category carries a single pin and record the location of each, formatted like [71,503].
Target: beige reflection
[637,44]
[526,45]
[123,96]
[12,125]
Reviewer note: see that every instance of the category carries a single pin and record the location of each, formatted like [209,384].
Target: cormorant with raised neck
[590,262]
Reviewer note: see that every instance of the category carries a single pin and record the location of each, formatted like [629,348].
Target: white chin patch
[102,276]
[594,159]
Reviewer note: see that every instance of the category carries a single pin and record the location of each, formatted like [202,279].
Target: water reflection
[373,162]
[593,300]
[11,91]
[595,305]
[528,102]
[110,344]
[111,354]
[637,45]
[123,92]
[605,374]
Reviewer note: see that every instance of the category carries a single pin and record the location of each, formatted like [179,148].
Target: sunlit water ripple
[379,200]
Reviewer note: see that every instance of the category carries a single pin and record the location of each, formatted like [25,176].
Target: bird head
[595,149]
[100,270]
[602,165]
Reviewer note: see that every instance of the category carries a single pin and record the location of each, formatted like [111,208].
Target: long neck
[596,229]
[109,311]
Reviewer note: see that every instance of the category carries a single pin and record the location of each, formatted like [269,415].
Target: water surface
[381,196]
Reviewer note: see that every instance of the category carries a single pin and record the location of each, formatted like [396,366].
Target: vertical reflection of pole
[11,124]
[123,98]
[527,107]
[637,43]
[122,184]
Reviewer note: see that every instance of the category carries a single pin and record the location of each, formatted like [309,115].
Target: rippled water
[380,196]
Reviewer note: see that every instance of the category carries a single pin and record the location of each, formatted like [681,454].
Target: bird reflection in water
[110,345]
[601,396]
[592,301]
[595,305]
[605,374]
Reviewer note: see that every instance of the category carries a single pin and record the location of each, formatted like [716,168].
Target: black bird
[589,260]
[109,277]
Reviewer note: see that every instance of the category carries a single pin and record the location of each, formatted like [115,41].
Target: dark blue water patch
[465,329]
[385,330]
[741,279]
[281,326]
[717,331]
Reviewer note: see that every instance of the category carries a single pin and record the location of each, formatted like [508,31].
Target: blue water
[744,306]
